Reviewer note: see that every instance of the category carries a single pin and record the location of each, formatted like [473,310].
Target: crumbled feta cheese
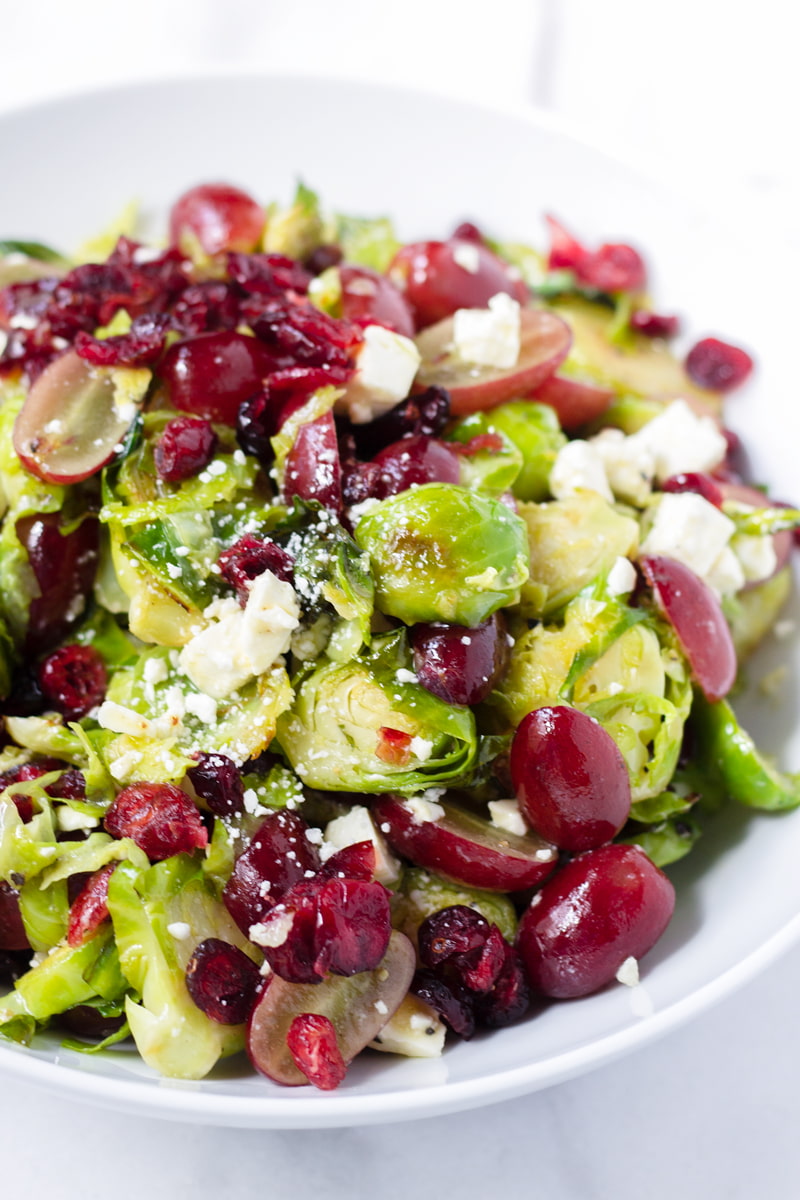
[245,642]
[386,365]
[357,826]
[467,256]
[404,676]
[680,441]
[725,575]
[423,809]
[69,819]
[121,768]
[274,932]
[381,1007]
[505,814]
[155,671]
[202,706]
[489,337]
[621,578]
[629,972]
[579,467]
[687,528]
[421,748]
[180,930]
[756,555]
[629,465]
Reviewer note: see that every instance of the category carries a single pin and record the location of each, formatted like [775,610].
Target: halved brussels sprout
[534,431]
[572,542]
[442,553]
[365,726]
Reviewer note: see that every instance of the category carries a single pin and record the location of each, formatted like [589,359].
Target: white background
[710,92]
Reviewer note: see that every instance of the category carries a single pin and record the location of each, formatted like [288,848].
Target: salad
[369,614]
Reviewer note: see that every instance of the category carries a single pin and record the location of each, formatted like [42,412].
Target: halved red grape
[695,481]
[439,277]
[12,929]
[212,374]
[70,425]
[458,664]
[220,216]
[464,847]
[369,298]
[695,614]
[575,403]
[64,564]
[313,470]
[357,1006]
[570,778]
[414,460]
[545,343]
[601,908]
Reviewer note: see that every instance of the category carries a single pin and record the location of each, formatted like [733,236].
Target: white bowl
[71,166]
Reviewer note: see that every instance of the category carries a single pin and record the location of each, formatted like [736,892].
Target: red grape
[220,216]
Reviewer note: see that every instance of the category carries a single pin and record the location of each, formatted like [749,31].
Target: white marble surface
[711,1111]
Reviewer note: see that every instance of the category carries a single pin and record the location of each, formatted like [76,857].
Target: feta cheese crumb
[505,814]
[202,706]
[404,676]
[467,256]
[121,768]
[756,556]
[421,748]
[687,528]
[629,972]
[386,365]
[423,809]
[489,337]
[120,719]
[244,642]
[274,932]
[680,441]
[629,465]
[357,826]
[180,930]
[621,578]
[155,671]
[380,1006]
[579,467]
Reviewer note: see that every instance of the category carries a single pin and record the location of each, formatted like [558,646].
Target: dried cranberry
[205,307]
[510,996]
[353,926]
[258,420]
[356,861]
[413,461]
[269,276]
[454,930]
[184,449]
[299,335]
[90,907]
[83,1021]
[311,1040]
[250,557]
[654,325]
[279,855]
[467,232]
[324,257]
[12,928]
[73,680]
[717,365]
[217,781]
[425,414]
[142,345]
[159,817]
[70,786]
[480,970]
[222,981]
[394,746]
[614,267]
[695,481]
[448,998]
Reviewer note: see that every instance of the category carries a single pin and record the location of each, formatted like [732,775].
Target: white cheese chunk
[386,365]
[680,441]
[244,642]
[120,719]
[621,578]
[687,528]
[489,337]
[423,809]
[505,814]
[357,826]
[579,467]
[629,465]
[756,556]
[629,972]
